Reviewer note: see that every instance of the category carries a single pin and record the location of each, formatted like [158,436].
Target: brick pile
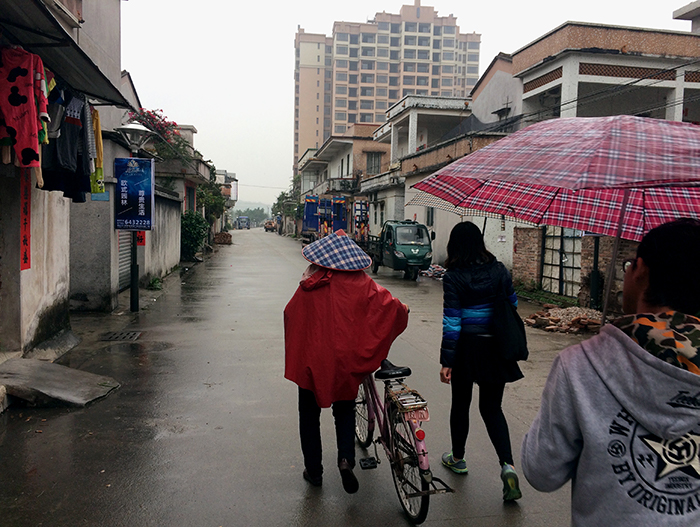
[566,320]
[223,238]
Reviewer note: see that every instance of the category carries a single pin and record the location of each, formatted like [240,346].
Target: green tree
[209,196]
[256,215]
[286,203]
[194,230]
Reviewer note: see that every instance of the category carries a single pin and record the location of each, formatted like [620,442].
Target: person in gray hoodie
[620,412]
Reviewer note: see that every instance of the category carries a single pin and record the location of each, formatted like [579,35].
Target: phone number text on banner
[135,197]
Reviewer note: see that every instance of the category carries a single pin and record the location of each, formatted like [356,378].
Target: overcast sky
[227,67]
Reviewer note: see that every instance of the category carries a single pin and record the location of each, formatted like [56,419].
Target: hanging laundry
[66,159]
[23,103]
[97,179]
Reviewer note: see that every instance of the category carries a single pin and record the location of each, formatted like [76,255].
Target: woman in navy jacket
[467,354]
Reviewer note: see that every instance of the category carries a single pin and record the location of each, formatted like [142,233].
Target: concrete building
[414,124]
[425,134]
[356,74]
[229,189]
[690,12]
[78,259]
[80,44]
[497,97]
[587,70]
[591,70]
[340,165]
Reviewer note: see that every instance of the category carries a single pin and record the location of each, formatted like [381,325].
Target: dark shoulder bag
[507,327]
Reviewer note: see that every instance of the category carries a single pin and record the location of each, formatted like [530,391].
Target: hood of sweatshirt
[663,398]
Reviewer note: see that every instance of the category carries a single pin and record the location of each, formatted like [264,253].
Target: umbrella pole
[613,259]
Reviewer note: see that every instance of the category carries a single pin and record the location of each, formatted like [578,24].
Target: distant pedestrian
[620,413]
[338,327]
[468,354]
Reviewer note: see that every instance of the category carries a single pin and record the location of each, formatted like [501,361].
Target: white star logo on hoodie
[676,454]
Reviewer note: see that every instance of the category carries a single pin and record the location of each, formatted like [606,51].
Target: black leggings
[310,431]
[490,399]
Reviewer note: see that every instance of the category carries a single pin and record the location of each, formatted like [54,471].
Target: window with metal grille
[374,163]
[561,261]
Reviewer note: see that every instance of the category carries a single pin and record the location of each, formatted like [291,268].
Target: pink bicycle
[398,418]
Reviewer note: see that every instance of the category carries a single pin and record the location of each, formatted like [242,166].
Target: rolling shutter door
[124,259]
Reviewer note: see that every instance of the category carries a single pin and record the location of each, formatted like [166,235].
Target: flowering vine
[168,142]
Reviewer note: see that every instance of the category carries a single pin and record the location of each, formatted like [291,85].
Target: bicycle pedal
[368,462]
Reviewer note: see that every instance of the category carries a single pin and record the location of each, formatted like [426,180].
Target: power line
[617,89]
[261,186]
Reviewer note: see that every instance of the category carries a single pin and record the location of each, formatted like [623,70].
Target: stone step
[5,356]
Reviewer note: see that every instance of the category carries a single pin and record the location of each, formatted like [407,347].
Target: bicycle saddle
[389,371]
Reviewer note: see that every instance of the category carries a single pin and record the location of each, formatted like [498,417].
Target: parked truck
[402,246]
[323,216]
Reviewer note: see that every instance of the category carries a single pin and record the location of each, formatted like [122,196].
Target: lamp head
[135,134]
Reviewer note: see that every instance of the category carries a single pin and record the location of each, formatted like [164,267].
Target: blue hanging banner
[135,196]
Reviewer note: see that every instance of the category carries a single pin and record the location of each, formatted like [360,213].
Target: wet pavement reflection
[203,431]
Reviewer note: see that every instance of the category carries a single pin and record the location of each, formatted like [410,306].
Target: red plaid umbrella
[581,173]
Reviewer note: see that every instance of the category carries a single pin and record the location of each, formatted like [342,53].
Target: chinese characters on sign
[135,198]
[25,189]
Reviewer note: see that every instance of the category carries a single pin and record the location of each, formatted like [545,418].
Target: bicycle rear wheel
[406,472]
[362,428]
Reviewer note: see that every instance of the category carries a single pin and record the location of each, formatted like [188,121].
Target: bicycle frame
[377,412]
[397,417]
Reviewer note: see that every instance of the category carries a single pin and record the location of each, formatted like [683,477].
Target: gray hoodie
[624,426]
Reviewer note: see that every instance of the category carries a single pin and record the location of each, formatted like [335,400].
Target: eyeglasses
[626,264]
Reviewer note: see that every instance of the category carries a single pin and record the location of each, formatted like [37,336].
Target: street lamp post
[136,135]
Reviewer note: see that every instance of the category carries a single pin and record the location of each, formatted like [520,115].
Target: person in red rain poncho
[338,327]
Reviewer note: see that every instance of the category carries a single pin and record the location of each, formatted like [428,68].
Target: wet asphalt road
[203,431]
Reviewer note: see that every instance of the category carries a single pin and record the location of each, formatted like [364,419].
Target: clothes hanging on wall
[97,178]
[23,104]
[67,161]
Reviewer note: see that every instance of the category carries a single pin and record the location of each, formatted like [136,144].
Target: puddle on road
[138,348]
[189,319]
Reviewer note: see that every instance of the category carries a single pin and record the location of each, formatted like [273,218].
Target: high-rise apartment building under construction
[364,68]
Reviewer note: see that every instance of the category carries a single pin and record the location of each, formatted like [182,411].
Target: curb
[4,399]
[4,402]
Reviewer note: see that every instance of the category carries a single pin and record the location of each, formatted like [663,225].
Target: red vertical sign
[25,189]
[141,238]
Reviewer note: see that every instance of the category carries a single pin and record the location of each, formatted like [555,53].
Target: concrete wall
[162,251]
[100,38]
[94,248]
[334,164]
[33,302]
[45,287]
[498,237]
[501,90]
[10,308]
[92,231]
[631,41]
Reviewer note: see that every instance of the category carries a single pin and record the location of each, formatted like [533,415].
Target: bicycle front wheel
[362,428]
[410,486]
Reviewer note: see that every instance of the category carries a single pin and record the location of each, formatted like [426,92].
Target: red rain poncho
[338,327]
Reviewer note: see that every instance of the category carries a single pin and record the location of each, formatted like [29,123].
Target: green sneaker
[511,489]
[455,465]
